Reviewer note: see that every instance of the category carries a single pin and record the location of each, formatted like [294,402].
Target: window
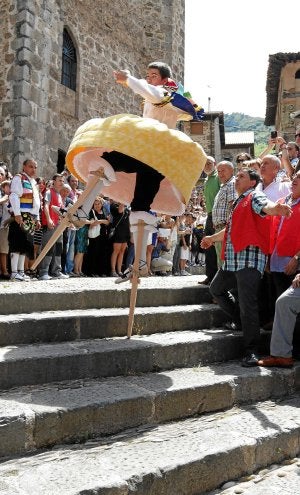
[297,75]
[69,62]
[61,161]
[197,128]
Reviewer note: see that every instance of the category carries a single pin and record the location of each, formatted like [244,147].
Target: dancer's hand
[121,76]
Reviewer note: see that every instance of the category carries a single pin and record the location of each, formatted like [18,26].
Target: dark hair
[40,179]
[71,177]
[252,174]
[5,183]
[27,161]
[294,144]
[163,68]
[248,157]
[55,176]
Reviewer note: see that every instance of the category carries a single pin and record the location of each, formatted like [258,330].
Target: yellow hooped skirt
[170,152]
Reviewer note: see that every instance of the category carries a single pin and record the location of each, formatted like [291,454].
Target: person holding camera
[289,156]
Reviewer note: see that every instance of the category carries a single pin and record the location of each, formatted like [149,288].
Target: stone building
[56,63]
[283,93]
[210,133]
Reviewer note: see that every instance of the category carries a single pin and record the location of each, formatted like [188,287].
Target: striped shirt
[252,256]
[223,203]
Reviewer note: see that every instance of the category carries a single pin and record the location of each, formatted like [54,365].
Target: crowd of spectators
[102,246]
[254,217]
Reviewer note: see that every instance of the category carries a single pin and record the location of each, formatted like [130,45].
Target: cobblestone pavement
[277,479]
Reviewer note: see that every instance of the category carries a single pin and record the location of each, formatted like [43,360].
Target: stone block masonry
[38,115]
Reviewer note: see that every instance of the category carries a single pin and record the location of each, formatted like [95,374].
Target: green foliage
[239,122]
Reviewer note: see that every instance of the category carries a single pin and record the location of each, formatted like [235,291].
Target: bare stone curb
[68,325]
[44,363]
[185,457]
[37,417]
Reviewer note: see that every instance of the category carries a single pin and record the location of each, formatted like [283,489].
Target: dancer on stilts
[142,162]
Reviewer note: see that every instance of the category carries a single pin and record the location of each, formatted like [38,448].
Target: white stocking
[14,259]
[149,226]
[110,176]
[21,263]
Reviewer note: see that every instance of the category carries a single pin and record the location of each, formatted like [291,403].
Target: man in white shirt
[25,207]
[269,169]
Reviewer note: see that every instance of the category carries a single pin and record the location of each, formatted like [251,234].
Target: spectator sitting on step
[161,262]
[286,311]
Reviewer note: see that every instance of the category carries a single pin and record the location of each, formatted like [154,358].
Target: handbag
[113,229]
[111,232]
[94,231]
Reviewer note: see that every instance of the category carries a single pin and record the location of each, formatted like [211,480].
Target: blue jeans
[70,251]
[236,294]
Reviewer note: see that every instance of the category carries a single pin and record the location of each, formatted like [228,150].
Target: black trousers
[211,265]
[20,241]
[147,179]
[243,307]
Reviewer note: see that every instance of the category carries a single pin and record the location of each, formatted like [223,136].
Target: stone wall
[38,114]
[288,100]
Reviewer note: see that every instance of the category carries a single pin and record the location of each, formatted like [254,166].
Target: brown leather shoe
[280,362]
[206,281]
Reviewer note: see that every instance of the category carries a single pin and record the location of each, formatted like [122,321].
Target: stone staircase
[84,410]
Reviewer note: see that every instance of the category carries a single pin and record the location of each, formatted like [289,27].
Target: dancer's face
[153,77]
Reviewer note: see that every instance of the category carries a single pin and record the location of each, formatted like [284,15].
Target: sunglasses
[297,135]
[241,160]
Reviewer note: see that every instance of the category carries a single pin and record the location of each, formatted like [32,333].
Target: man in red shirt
[50,221]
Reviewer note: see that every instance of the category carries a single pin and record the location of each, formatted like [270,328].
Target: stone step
[44,363]
[278,479]
[68,325]
[85,293]
[187,457]
[36,417]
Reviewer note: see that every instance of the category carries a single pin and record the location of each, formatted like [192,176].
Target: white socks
[149,226]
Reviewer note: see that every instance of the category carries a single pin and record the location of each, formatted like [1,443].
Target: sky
[227,48]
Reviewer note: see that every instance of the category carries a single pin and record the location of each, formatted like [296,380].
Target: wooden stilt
[135,277]
[65,222]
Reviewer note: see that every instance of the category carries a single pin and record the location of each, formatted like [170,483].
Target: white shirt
[167,114]
[16,191]
[275,190]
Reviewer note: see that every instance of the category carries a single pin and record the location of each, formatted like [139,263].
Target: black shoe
[249,360]
[206,281]
[231,325]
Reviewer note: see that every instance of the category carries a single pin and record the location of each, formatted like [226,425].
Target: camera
[273,134]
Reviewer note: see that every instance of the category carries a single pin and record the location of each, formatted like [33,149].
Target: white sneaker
[17,277]
[45,277]
[61,275]
[25,277]
[184,273]
[128,274]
